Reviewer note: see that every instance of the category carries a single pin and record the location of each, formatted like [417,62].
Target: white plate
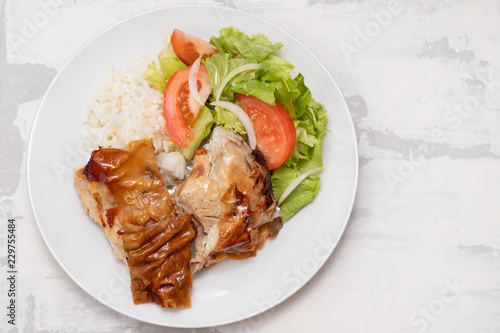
[231,290]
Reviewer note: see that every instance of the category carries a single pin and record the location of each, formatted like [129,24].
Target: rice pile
[125,108]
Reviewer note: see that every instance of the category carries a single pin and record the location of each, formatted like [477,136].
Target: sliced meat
[230,194]
[97,200]
[124,192]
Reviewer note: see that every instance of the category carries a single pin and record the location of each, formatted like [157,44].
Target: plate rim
[292,291]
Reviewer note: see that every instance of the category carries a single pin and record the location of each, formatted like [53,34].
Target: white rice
[126,108]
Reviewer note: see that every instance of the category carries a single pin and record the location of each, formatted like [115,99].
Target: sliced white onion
[193,81]
[243,118]
[296,183]
[234,72]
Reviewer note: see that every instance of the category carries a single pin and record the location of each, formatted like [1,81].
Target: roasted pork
[122,190]
[229,192]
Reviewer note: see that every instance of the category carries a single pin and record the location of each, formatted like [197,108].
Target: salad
[241,83]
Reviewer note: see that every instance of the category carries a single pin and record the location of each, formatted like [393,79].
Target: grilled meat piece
[124,192]
[229,192]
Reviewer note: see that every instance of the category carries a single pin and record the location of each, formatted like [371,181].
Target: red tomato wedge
[180,109]
[274,129]
[188,47]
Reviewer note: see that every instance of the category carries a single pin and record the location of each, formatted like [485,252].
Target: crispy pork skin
[122,190]
[230,194]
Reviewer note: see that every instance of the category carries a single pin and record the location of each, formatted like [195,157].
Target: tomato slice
[274,129]
[188,47]
[180,109]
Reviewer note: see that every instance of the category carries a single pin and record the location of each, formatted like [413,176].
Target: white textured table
[422,249]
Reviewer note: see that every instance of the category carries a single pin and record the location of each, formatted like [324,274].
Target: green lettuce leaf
[228,120]
[304,96]
[235,42]
[286,92]
[278,71]
[274,68]
[201,130]
[153,75]
[308,139]
[219,65]
[300,196]
[262,90]
[169,64]
[247,82]
[310,125]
